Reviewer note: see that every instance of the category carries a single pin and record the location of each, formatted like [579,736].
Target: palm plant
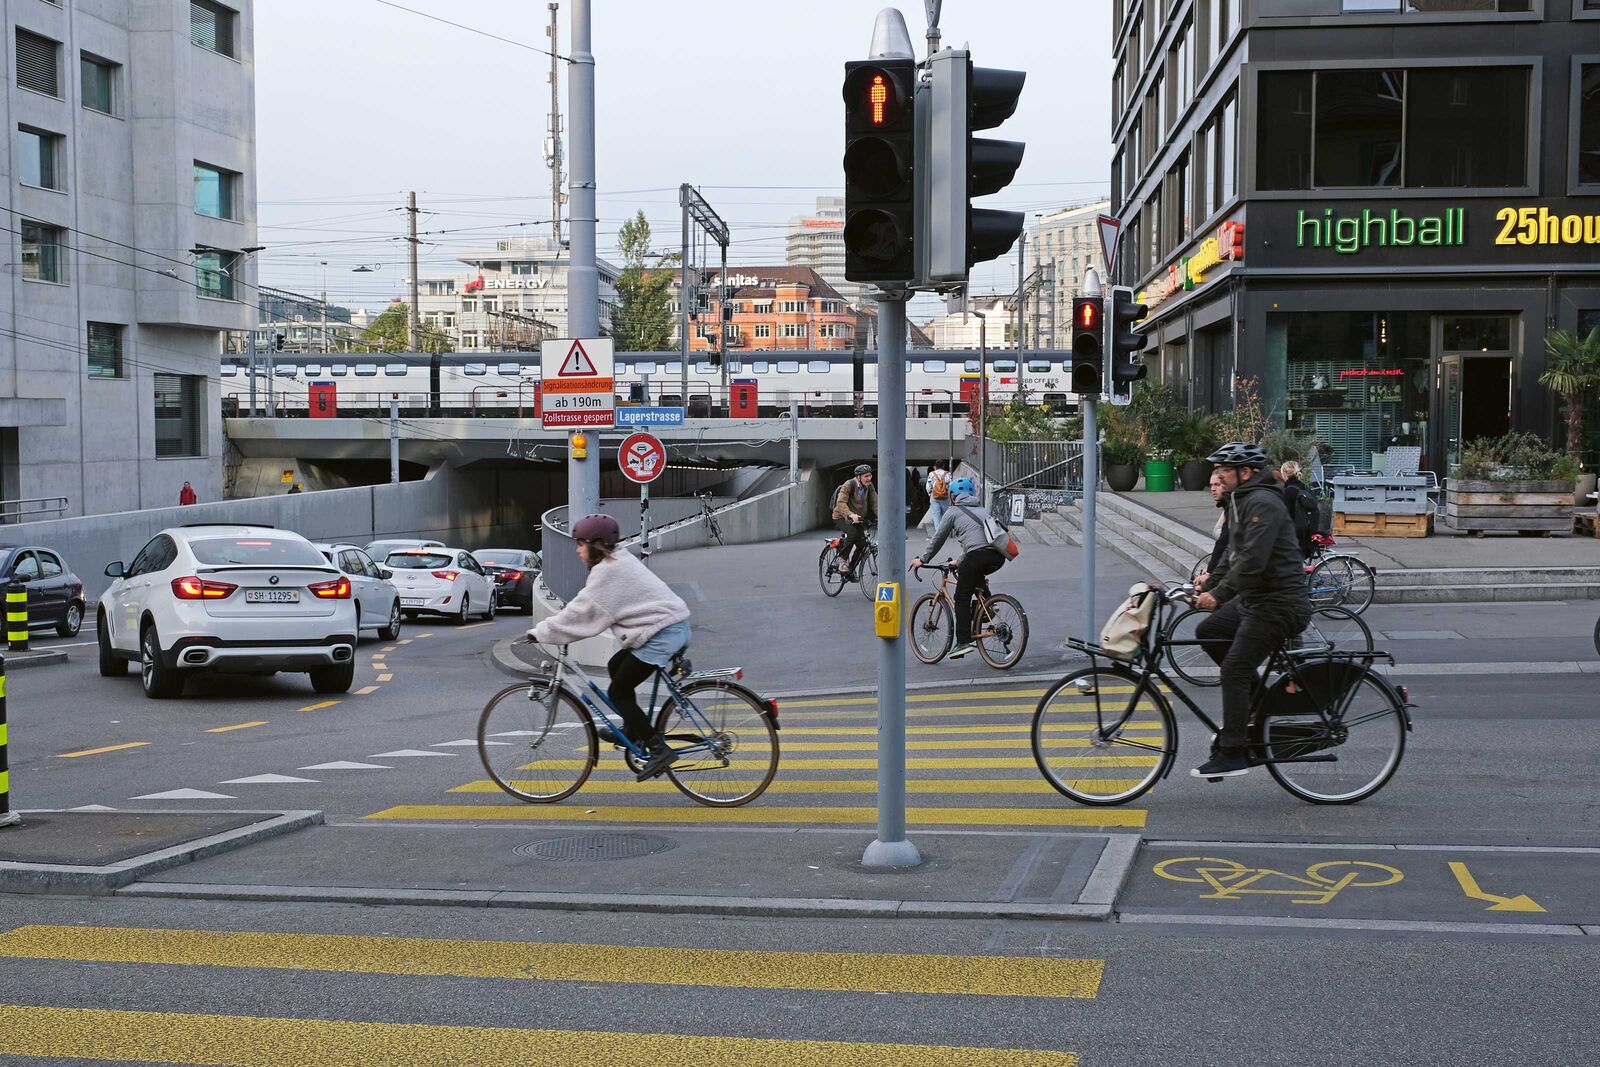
[1572,372]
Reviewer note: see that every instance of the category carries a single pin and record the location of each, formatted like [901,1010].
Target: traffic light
[580,446]
[958,166]
[879,154]
[1088,352]
[277,341]
[1127,366]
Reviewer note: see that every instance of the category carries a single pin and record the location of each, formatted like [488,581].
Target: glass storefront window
[1477,333]
[1358,381]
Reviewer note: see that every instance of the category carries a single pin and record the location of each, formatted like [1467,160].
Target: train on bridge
[758,384]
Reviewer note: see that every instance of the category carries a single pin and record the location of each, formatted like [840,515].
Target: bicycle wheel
[869,574]
[1335,629]
[727,744]
[537,744]
[932,627]
[1200,566]
[828,572]
[1330,581]
[1096,745]
[716,531]
[1363,586]
[1187,661]
[1000,630]
[1366,742]
[1597,637]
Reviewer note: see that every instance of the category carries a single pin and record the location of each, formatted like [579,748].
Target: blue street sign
[649,416]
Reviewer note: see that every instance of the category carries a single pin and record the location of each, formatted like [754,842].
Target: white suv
[228,599]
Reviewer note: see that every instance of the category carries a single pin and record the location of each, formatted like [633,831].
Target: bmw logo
[272,579]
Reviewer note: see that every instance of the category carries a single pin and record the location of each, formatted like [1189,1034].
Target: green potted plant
[1157,415]
[1121,457]
[1197,439]
[1572,372]
[1515,482]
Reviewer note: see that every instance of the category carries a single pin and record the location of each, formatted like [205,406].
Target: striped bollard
[7,816]
[17,616]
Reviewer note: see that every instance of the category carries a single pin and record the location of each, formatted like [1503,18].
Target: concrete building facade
[817,241]
[510,297]
[128,178]
[1065,243]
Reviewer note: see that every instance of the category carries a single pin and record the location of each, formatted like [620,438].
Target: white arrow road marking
[92,807]
[409,752]
[467,742]
[266,779]
[346,765]
[185,794]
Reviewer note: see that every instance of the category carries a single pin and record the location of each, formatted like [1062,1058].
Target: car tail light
[448,576]
[192,588]
[511,576]
[335,589]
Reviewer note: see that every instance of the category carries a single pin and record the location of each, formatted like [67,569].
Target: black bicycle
[830,562]
[1330,630]
[708,512]
[1327,727]
[1597,636]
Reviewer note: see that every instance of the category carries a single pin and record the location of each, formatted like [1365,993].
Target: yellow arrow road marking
[98,751]
[1469,886]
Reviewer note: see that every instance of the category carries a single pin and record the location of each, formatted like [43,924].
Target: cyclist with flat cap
[855,505]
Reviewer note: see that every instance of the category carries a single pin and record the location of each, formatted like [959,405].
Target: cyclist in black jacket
[1258,599]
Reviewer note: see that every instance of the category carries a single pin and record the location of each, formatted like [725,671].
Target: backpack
[1124,633]
[941,486]
[1304,511]
[1000,538]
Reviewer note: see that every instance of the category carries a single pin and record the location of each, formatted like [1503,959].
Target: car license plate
[411,602]
[272,596]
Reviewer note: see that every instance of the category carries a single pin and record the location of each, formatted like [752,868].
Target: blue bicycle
[538,738]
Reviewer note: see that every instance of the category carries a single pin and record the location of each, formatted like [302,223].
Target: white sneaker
[963,649]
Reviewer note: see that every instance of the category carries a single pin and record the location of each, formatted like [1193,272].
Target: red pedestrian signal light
[878,99]
[1088,315]
[880,132]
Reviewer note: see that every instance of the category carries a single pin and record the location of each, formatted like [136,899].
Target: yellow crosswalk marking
[1017,712]
[856,972]
[918,731]
[934,698]
[831,785]
[1134,817]
[242,1041]
[1013,744]
[98,751]
[915,763]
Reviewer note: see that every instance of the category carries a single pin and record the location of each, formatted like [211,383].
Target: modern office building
[511,297]
[1064,243]
[1375,209]
[817,241]
[128,176]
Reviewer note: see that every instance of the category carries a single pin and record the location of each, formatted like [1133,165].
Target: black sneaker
[661,757]
[1222,764]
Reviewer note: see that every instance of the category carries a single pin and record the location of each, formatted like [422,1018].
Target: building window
[763,307]
[1180,64]
[214,191]
[1412,7]
[763,331]
[37,66]
[105,350]
[98,84]
[213,273]
[41,252]
[39,158]
[1427,128]
[794,329]
[211,26]
[1589,125]
[178,414]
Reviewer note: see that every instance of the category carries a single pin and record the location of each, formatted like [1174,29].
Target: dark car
[513,571]
[55,594]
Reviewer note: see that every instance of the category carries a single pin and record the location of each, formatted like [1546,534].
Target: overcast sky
[358,102]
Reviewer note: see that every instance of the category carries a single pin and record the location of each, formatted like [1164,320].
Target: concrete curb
[34,659]
[832,907]
[108,878]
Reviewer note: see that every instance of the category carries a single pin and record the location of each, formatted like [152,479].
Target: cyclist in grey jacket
[979,557]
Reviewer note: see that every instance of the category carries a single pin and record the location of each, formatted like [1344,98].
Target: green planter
[1158,475]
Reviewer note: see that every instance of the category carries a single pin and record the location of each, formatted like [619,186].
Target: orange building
[772,308]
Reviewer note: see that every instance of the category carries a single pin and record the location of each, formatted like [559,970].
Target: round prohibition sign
[642,457]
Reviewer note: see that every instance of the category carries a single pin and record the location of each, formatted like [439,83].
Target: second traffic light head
[1127,366]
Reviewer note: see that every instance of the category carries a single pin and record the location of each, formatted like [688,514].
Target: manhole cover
[596,847]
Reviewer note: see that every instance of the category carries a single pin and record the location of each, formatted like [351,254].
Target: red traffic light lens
[878,100]
[1088,317]
[873,95]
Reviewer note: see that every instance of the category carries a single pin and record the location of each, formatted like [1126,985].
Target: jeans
[1240,640]
[975,566]
[627,671]
[939,508]
[855,541]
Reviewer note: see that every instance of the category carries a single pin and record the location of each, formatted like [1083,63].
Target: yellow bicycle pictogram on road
[1232,880]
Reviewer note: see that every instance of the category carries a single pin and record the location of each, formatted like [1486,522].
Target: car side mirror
[114,570]
[385,573]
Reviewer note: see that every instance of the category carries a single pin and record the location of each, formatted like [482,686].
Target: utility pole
[394,437]
[1022,290]
[552,152]
[324,307]
[583,277]
[411,312]
[687,298]
[1091,478]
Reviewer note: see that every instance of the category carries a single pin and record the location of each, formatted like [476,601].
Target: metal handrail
[48,506]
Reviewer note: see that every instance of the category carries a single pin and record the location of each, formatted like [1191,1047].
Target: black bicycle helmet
[1238,454]
[862,468]
[601,528]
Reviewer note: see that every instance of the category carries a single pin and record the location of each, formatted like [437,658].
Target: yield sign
[577,364]
[642,457]
[1110,236]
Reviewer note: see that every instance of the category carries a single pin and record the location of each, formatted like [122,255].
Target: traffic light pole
[1091,480]
[892,848]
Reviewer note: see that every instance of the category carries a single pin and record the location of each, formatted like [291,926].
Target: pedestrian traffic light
[957,166]
[580,446]
[1127,365]
[1088,352]
[879,154]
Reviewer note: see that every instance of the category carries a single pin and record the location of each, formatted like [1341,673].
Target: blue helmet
[964,485]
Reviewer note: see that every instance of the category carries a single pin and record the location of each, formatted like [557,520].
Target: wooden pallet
[1588,523]
[1348,525]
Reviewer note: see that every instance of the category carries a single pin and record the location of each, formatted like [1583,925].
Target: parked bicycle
[1327,726]
[1338,579]
[1331,629]
[999,625]
[708,512]
[538,740]
[834,580]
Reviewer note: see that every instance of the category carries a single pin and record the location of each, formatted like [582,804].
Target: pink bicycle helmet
[601,528]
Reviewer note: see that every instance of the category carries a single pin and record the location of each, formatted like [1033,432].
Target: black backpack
[1304,511]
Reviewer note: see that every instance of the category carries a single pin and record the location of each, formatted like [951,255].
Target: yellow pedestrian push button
[886,610]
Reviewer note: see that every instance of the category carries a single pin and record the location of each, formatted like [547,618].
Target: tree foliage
[390,332]
[643,318]
[1573,373]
